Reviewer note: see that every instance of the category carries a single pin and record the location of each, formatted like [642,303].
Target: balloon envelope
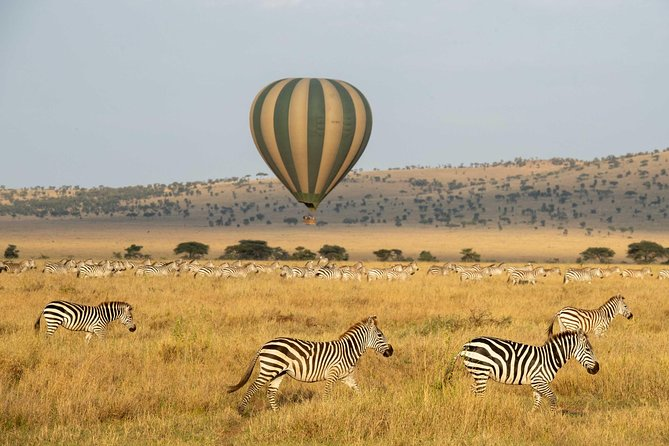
[310,132]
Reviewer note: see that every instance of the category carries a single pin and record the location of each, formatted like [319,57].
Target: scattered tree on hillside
[392,255]
[302,253]
[333,252]
[254,250]
[11,252]
[646,251]
[133,252]
[599,254]
[194,250]
[469,255]
[426,256]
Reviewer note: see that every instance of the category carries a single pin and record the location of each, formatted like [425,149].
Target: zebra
[493,270]
[208,271]
[3,266]
[14,268]
[511,362]
[267,269]
[104,270]
[157,270]
[608,272]
[436,270]
[581,275]
[553,271]
[636,273]
[329,273]
[238,271]
[570,318]
[519,276]
[663,274]
[77,317]
[58,268]
[470,276]
[309,361]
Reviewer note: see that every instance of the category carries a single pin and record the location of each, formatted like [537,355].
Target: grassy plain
[165,383]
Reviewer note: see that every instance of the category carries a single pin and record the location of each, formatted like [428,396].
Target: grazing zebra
[309,361]
[520,276]
[636,273]
[104,270]
[581,275]
[511,362]
[570,318]
[77,317]
[663,274]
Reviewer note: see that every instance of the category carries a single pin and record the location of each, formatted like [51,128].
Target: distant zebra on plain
[104,270]
[59,268]
[519,276]
[598,320]
[663,274]
[437,270]
[290,272]
[581,275]
[309,361]
[511,362]
[77,317]
[636,273]
[470,276]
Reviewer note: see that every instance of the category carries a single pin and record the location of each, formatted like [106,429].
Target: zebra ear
[371,320]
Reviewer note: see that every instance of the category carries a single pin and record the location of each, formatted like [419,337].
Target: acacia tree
[194,250]
[393,255]
[254,250]
[469,255]
[600,254]
[646,251]
[11,252]
[333,252]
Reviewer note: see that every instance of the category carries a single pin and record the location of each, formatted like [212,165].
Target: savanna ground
[166,382]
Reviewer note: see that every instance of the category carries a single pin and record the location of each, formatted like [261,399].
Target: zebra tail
[549,330]
[37,322]
[246,376]
[448,373]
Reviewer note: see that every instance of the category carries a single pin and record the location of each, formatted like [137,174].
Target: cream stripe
[297,131]
[360,124]
[267,129]
[334,122]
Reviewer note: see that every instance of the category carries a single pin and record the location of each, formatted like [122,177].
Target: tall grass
[166,382]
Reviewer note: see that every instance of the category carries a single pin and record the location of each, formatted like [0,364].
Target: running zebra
[663,274]
[570,318]
[313,361]
[581,275]
[636,273]
[511,362]
[59,268]
[77,317]
[519,276]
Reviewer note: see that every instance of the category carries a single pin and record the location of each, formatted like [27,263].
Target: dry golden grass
[165,383]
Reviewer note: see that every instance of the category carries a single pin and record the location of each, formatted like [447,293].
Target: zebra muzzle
[133,328]
[595,369]
[388,353]
[630,316]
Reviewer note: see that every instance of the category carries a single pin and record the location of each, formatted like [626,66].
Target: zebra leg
[480,381]
[350,381]
[257,384]
[542,389]
[272,388]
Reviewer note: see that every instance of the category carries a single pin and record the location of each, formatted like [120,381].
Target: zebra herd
[485,358]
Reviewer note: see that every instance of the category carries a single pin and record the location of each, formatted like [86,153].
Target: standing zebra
[511,362]
[77,317]
[312,361]
[103,270]
[581,275]
[570,318]
[520,276]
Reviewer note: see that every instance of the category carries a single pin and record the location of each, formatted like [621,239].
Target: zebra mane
[615,298]
[115,303]
[562,334]
[356,326]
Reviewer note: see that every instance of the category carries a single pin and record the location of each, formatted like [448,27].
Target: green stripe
[348,131]
[281,126]
[315,131]
[368,128]
[257,131]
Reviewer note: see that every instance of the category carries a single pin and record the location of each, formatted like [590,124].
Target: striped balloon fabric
[310,132]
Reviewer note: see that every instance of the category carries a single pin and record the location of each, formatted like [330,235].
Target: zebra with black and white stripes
[520,276]
[309,361]
[663,274]
[290,272]
[636,273]
[581,275]
[91,319]
[59,268]
[598,320]
[511,362]
[104,270]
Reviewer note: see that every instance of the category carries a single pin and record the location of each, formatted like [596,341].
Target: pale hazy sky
[142,91]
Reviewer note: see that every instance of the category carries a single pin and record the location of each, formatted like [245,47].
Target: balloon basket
[309,220]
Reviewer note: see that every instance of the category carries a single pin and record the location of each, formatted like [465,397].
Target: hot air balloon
[310,132]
